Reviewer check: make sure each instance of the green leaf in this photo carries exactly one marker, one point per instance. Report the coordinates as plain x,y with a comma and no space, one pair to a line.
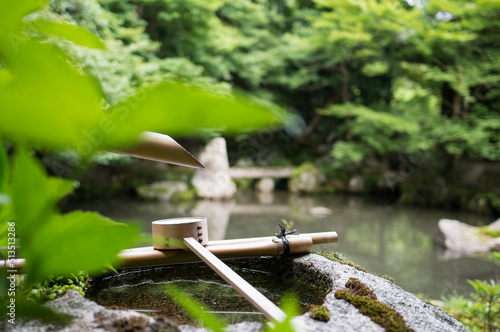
209,321
71,32
179,110
76,241
12,12
47,100
29,193
57,188
4,167
4,199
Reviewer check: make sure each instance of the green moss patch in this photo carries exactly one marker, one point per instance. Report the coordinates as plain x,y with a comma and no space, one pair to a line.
363,298
320,313
486,230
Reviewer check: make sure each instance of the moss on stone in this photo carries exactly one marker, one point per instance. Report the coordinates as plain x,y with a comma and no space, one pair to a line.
363,298
339,258
486,230
358,288
320,313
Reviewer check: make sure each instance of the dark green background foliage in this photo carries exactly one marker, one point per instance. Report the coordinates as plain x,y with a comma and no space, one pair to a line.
369,78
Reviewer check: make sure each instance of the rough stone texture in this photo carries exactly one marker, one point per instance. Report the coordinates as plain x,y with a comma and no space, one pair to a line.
418,314
460,237
89,316
214,181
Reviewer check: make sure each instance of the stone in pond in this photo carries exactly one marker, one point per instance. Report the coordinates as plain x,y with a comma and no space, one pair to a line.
214,182
461,238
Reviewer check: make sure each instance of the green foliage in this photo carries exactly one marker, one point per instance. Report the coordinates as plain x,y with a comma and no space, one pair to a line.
370,79
496,256
39,70
54,287
489,232
52,242
290,305
480,312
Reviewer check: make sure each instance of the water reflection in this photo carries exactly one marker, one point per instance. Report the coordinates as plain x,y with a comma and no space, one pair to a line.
217,214
383,237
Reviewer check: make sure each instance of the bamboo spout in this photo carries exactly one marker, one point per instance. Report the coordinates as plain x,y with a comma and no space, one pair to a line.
162,148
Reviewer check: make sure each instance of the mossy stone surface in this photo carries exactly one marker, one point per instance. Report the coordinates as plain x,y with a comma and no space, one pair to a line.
363,298
320,313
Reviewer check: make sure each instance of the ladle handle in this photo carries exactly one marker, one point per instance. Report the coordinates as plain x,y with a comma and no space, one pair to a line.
259,301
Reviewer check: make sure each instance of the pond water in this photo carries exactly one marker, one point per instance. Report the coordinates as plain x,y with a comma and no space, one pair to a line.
381,236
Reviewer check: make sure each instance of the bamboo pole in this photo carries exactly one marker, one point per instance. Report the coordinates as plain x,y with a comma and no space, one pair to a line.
162,148
317,238
146,256
236,248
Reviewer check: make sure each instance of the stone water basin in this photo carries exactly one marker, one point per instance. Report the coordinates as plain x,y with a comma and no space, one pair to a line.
143,289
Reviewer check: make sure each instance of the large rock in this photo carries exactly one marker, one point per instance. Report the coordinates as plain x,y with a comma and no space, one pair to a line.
418,314
214,181
462,238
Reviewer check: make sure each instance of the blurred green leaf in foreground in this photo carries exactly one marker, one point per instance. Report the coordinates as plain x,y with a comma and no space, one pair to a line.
49,100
